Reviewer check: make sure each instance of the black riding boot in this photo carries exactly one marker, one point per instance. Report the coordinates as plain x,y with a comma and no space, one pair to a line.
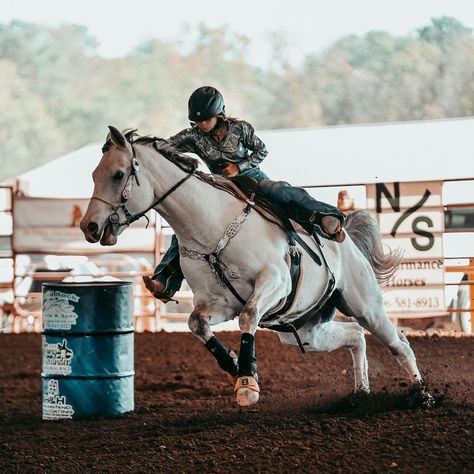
304,209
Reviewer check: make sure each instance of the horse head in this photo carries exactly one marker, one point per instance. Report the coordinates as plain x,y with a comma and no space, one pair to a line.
121,190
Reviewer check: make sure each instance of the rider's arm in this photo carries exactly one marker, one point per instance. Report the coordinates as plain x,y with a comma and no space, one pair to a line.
183,141
253,143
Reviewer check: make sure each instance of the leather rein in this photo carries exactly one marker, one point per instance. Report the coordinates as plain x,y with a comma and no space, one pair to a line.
114,218
219,268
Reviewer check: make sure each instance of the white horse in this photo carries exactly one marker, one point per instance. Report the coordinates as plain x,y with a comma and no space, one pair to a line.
253,253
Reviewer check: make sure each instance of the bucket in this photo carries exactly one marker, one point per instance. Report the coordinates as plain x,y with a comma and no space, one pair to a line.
88,363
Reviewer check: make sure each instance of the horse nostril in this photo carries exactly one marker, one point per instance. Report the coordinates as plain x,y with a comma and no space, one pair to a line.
92,227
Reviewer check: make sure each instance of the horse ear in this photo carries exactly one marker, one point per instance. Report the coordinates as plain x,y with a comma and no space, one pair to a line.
117,137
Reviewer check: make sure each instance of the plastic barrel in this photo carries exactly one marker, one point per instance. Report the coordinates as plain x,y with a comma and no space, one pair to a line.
88,363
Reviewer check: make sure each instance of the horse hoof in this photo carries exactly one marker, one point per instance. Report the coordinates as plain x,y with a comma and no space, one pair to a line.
427,400
247,391
246,397
362,389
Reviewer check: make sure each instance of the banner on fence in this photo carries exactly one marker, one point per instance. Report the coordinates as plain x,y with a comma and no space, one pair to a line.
411,219
52,225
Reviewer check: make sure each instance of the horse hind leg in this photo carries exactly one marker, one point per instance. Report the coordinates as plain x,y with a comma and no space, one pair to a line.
400,348
333,335
384,330
369,311
406,358
359,360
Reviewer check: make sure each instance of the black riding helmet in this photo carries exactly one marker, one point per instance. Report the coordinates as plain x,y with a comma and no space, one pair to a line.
205,103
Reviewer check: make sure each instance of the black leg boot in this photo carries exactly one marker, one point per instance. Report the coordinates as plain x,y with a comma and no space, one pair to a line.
247,359
246,387
223,356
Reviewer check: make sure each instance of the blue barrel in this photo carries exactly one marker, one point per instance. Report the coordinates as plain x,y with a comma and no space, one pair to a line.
88,363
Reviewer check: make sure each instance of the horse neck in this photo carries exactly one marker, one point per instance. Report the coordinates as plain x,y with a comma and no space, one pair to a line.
197,212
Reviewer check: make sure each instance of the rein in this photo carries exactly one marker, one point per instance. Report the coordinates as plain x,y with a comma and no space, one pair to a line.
114,218
219,268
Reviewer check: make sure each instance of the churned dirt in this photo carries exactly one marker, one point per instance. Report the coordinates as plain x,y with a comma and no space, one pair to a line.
186,419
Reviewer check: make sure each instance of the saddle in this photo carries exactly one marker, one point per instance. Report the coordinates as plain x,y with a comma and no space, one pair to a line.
245,188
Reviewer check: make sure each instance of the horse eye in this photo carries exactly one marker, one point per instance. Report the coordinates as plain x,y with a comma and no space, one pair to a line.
118,176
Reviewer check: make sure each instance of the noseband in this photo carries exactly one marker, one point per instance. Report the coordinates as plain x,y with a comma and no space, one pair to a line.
114,218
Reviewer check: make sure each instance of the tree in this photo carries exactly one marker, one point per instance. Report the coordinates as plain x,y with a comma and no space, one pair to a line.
29,135
57,95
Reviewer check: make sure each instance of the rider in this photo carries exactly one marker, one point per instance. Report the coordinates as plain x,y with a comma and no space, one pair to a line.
229,147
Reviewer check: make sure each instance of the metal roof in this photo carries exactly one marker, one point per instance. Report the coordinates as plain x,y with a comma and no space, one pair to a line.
354,154
69,176
361,154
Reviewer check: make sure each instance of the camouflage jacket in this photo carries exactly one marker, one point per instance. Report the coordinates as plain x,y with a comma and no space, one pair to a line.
240,146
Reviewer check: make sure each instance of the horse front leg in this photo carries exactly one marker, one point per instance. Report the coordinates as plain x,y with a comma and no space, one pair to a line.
199,324
271,285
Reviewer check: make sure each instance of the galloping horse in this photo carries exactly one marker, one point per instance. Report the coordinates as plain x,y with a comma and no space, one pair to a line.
223,238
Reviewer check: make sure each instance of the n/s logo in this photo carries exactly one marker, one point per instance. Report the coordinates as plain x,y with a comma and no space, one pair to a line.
395,205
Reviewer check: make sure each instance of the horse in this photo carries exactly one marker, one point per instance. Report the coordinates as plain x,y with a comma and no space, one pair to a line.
222,238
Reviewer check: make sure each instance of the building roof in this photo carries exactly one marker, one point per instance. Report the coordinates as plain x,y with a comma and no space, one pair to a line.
69,176
362,154
341,155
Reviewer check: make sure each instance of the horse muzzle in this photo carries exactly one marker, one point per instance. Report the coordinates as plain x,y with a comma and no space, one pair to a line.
109,236
93,233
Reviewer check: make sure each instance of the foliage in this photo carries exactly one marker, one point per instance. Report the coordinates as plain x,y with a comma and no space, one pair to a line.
57,94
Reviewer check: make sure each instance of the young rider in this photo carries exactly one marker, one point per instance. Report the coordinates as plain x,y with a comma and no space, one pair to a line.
229,147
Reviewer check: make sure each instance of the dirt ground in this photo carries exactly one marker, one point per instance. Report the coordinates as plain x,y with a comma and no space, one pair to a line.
186,419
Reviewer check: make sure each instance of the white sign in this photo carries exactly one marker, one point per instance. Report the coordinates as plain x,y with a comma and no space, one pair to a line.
58,312
411,219
428,221
55,406
417,246
57,358
418,273
414,300
403,196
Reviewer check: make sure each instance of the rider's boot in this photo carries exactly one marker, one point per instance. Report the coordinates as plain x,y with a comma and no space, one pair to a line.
300,206
332,227
158,289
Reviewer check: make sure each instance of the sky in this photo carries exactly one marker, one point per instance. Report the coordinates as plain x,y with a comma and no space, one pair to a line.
310,25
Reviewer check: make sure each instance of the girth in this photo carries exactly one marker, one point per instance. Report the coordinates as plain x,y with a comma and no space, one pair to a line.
293,326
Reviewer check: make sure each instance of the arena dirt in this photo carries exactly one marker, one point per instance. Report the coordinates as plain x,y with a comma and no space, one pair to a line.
186,419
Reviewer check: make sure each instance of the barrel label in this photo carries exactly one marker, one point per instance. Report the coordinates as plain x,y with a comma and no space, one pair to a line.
55,406
57,358
58,312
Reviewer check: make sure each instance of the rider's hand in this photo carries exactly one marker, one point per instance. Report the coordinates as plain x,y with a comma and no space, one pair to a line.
230,170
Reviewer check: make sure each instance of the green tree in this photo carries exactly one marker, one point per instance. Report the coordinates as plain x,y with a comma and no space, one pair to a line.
57,94
29,135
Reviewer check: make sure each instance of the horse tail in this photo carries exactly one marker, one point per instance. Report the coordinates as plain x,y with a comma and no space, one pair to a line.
364,232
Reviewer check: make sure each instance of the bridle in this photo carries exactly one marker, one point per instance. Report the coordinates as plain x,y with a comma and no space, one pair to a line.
114,218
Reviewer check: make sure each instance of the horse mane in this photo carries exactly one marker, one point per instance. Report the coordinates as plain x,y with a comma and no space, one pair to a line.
186,163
